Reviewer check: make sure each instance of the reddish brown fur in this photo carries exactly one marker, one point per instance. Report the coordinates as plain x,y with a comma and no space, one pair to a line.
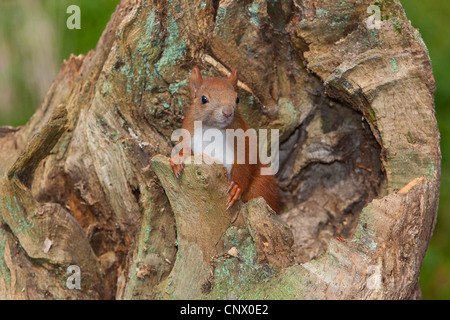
221,93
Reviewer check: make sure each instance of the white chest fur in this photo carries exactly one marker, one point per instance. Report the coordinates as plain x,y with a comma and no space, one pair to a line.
213,142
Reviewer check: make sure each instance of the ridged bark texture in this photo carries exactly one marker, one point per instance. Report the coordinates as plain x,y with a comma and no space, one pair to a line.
86,181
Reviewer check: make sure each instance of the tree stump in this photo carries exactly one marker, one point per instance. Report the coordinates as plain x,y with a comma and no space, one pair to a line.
86,182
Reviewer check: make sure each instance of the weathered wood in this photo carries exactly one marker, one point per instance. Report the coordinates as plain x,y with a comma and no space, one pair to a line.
86,181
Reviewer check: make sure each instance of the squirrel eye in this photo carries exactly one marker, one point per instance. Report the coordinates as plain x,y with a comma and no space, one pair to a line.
204,100
237,100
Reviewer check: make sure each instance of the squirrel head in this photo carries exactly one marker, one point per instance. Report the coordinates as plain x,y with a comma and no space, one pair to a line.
214,99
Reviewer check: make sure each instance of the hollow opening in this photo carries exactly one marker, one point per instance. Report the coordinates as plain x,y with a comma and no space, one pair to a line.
330,169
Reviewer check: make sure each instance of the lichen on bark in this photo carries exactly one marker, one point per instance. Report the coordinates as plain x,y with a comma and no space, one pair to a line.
87,182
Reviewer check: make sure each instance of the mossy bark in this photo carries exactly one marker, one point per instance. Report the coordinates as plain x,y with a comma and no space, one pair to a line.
86,181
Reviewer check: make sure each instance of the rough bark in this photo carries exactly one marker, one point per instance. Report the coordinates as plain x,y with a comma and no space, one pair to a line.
86,181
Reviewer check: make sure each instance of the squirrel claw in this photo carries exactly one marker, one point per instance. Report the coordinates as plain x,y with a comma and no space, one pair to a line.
232,184
235,193
176,167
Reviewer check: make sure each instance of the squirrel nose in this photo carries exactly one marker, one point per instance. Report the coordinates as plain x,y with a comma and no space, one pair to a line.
227,112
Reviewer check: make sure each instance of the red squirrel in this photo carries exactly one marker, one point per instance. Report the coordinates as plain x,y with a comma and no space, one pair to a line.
215,105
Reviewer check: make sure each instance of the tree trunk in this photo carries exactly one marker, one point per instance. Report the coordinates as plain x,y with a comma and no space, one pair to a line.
86,182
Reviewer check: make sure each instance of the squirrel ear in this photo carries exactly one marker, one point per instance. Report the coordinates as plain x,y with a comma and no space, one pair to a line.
232,78
195,81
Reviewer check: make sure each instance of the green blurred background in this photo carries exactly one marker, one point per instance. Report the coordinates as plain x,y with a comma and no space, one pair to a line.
34,40
432,19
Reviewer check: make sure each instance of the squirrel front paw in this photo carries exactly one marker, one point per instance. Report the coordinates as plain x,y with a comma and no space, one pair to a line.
176,165
234,194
